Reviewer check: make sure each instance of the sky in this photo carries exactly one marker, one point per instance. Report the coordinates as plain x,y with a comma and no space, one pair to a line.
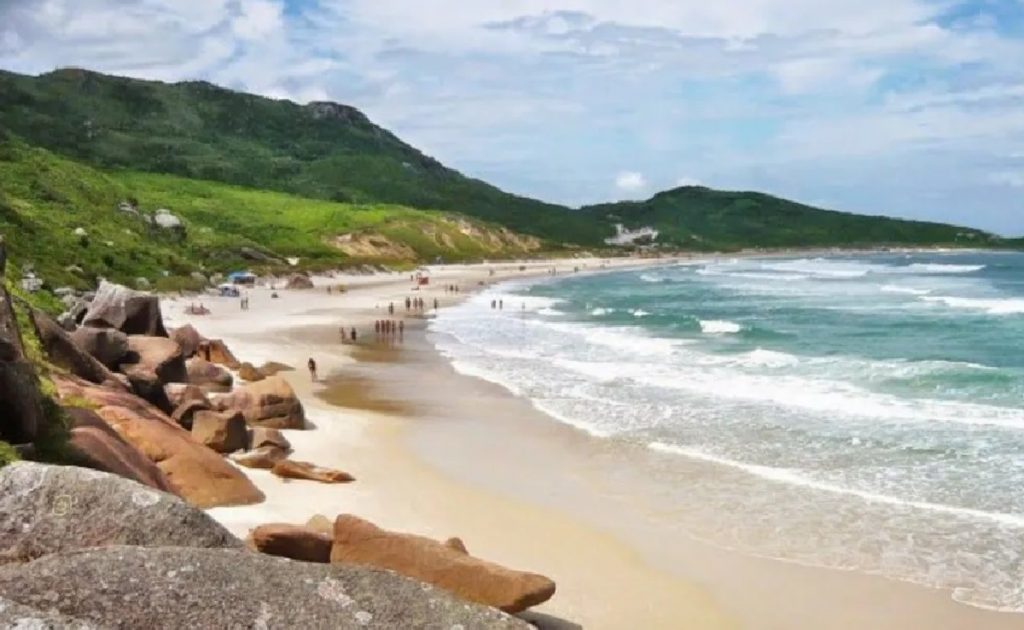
911,108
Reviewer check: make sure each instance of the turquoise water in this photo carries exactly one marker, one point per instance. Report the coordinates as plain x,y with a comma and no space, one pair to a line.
866,412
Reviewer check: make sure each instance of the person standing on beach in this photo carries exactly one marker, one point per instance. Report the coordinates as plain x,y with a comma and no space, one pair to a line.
401,328
408,304
501,305
311,364
435,304
391,308
353,334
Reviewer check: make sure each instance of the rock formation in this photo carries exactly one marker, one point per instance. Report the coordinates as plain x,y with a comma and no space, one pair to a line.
290,469
268,403
291,541
360,542
131,312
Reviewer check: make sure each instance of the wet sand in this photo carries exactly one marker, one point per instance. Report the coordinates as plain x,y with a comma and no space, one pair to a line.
441,454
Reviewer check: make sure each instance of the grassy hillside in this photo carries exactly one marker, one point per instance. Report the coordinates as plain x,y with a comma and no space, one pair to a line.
62,218
695,217
201,131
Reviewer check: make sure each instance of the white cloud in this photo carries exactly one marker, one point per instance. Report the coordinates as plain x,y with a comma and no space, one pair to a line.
630,181
257,18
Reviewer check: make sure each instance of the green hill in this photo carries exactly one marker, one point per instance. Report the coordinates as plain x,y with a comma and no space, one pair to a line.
71,223
201,131
695,217
326,151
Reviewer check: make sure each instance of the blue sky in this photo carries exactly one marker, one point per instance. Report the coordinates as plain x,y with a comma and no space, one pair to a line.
912,108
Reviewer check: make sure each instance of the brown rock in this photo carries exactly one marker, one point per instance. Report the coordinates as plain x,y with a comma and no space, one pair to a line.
151,363
456,544
299,281
185,414
215,351
247,372
106,345
195,472
64,352
290,469
208,376
181,393
291,541
131,312
223,432
268,437
271,368
95,445
262,458
268,403
188,338
360,542
322,524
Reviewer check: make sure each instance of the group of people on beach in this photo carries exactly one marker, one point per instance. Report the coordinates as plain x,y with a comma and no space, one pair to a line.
417,303
388,328
244,302
350,335
451,288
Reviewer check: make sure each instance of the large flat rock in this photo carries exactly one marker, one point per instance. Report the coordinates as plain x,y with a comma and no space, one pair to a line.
174,588
48,509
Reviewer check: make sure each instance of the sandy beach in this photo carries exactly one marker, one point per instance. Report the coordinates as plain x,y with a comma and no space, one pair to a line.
442,454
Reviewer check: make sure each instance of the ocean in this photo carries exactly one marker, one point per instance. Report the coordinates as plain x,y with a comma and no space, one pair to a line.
859,412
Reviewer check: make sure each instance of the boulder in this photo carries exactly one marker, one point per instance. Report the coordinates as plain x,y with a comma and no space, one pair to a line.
188,338
63,352
247,372
262,458
14,616
456,544
270,368
93,444
171,588
22,416
299,281
291,541
360,542
194,471
185,413
223,432
268,437
181,393
151,363
209,376
215,351
131,312
270,403
48,509
106,345
291,469
322,524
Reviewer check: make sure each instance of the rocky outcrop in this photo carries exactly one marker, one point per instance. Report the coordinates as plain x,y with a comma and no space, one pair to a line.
106,345
50,509
247,372
185,413
290,469
151,363
270,368
262,458
93,444
215,351
260,437
209,376
131,312
291,541
62,351
196,472
299,281
22,416
188,339
360,542
14,616
181,393
224,432
174,587
268,403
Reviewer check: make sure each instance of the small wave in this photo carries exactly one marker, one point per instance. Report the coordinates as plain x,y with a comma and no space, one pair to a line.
795,478
767,358
939,268
719,327
652,278
639,313
992,306
891,288
598,312
550,311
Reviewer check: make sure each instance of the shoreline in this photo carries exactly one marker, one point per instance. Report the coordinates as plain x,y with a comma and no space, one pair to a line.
390,440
